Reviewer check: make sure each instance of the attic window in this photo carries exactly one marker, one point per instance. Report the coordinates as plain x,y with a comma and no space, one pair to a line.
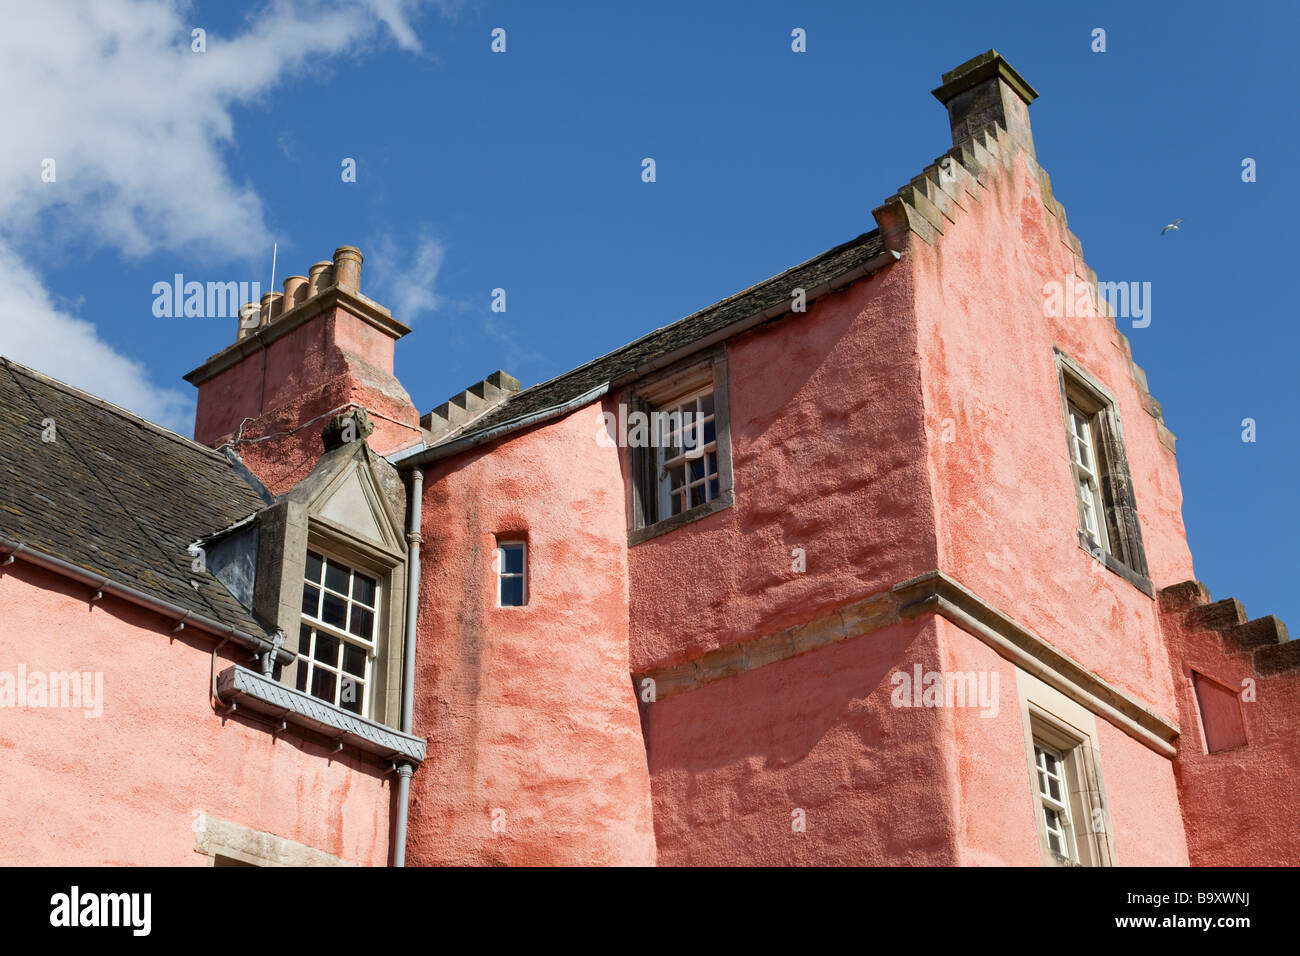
336,642
1108,519
678,447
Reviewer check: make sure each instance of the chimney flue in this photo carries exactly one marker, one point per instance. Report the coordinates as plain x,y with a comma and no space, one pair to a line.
319,278
250,319
984,91
270,307
295,293
347,267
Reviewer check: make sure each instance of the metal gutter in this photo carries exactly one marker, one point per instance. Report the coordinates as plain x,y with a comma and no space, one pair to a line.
437,452
183,616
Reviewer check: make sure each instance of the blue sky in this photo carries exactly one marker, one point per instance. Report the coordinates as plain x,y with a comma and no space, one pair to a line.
522,171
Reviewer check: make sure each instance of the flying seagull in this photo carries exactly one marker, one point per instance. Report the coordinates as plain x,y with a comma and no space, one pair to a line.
1173,225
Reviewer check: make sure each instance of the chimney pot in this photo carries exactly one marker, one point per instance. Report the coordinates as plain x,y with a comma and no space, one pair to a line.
320,277
347,267
295,292
987,90
250,320
270,307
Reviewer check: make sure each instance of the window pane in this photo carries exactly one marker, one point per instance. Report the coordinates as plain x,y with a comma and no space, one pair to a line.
512,559
1054,788
354,690
354,660
326,649
363,589
322,685
512,592
713,488
697,469
302,673
334,610
313,567
676,477
310,600
363,622
336,577
706,403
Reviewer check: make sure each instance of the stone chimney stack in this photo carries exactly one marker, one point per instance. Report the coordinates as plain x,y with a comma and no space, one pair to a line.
318,350
988,90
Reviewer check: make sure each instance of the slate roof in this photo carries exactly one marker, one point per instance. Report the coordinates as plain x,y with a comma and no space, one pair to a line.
115,494
563,388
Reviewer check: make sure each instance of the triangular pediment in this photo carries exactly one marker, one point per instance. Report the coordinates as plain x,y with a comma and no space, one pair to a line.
350,507
344,492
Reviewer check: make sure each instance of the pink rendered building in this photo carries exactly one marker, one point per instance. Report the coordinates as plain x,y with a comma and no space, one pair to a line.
879,561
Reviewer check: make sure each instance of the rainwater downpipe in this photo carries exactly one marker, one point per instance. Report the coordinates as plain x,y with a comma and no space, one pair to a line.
405,770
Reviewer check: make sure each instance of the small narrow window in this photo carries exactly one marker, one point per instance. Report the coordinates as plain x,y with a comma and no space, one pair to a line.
1087,477
1103,485
512,574
1054,800
336,643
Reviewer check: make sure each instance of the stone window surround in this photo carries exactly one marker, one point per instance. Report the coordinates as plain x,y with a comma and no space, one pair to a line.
655,391
1049,716
232,841
1126,556
287,532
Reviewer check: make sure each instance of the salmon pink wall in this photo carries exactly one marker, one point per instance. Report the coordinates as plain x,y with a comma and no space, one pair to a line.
828,455
996,791
1142,793
1239,805
528,710
1003,487
993,790
733,760
126,788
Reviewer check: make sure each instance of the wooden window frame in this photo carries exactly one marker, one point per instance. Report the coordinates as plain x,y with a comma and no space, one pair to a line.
384,684
1119,546
344,635
1050,718
677,383
503,575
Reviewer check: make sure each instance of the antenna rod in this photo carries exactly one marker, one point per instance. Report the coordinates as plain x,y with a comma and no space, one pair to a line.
275,247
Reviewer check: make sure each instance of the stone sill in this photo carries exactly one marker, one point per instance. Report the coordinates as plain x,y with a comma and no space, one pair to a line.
263,695
725,500
1114,565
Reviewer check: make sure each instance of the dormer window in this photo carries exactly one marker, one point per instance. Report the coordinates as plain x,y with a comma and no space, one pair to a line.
336,641
679,461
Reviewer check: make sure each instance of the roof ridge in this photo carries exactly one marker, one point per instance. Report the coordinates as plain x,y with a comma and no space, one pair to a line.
708,308
108,406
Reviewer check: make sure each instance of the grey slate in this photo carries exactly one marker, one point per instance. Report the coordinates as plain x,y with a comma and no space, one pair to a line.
115,494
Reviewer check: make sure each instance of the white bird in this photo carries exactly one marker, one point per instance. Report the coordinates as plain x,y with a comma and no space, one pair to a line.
1173,225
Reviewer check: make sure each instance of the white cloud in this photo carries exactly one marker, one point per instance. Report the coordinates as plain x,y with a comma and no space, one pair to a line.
136,124
406,282
38,334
